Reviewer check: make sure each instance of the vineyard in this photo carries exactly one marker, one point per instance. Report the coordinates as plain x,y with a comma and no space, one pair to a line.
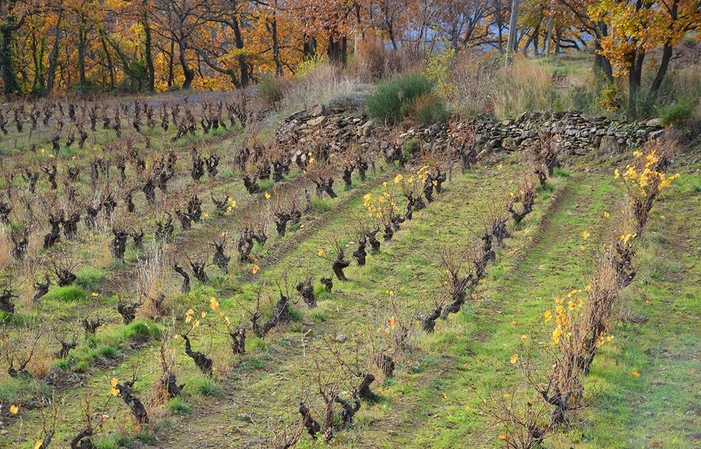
201,271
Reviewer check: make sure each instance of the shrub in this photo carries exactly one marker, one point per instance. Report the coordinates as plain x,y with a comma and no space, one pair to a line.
89,278
321,205
69,293
676,113
271,90
142,330
411,146
178,406
204,386
393,98
428,109
371,60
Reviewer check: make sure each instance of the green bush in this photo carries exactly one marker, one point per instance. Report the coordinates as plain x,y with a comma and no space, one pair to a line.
393,98
411,147
204,386
178,406
271,90
428,109
69,293
142,330
676,112
89,278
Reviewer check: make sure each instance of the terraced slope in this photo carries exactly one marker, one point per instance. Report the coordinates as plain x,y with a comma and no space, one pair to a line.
446,385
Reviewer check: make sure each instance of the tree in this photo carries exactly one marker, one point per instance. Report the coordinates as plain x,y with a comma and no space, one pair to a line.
13,15
462,22
235,14
639,26
179,21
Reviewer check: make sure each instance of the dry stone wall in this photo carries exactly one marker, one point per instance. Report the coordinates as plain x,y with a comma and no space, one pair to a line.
573,132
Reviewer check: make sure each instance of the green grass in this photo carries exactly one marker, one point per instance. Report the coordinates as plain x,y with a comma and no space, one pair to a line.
142,330
435,397
393,98
66,294
179,406
204,386
89,278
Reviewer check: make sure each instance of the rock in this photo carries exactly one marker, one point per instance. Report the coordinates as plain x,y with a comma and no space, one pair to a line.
654,123
509,144
317,110
609,144
341,338
316,121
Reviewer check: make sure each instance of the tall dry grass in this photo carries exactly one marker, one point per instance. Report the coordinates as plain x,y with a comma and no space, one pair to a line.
318,81
485,84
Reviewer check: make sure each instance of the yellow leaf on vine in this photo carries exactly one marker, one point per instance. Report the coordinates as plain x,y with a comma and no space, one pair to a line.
14,409
38,444
513,359
114,382
635,373
255,269
557,333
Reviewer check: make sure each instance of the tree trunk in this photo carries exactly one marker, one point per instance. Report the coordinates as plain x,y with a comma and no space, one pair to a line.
148,51
512,43
82,44
634,80
187,70
601,64
244,78
53,56
108,57
38,49
171,65
7,63
549,37
666,54
276,47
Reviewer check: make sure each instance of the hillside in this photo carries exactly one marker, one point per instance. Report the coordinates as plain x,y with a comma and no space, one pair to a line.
256,208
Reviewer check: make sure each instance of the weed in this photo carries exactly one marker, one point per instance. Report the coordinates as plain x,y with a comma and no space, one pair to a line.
90,278
321,204
179,406
204,386
271,90
69,293
142,331
676,113
428,109
393,98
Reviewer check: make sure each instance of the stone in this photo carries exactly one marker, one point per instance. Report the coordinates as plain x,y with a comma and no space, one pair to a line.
317,110
316,121
654,123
